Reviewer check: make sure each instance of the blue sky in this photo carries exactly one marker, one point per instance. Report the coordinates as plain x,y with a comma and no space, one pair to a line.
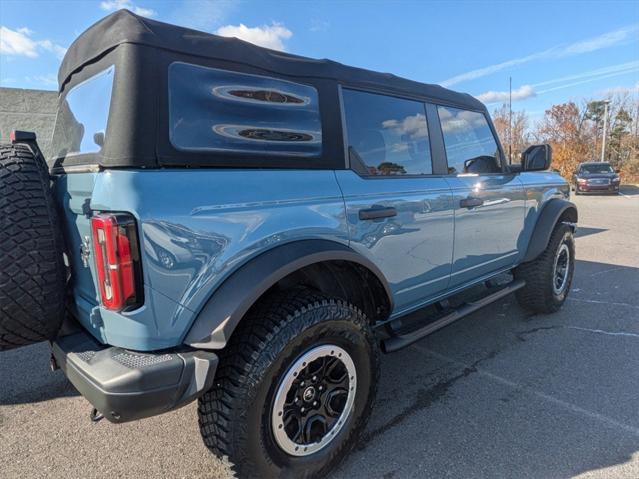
554,51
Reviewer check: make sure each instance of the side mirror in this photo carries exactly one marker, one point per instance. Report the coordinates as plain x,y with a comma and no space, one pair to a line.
617,171
536,158
98,138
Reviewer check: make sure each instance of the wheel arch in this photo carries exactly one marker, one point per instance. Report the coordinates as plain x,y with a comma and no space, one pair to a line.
328,266
555,211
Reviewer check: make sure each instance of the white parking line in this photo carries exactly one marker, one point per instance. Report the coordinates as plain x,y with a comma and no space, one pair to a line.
545,397
607,271
594,301
601,331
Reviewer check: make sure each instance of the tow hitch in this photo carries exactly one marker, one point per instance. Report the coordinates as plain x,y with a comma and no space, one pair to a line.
96,416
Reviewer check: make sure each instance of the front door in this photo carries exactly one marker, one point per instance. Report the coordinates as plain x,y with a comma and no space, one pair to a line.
400,216
489,203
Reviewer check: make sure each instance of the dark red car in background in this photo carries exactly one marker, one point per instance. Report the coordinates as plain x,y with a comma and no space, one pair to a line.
595,177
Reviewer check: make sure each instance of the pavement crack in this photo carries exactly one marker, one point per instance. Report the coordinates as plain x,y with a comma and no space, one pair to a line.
425,398
521,335
611,422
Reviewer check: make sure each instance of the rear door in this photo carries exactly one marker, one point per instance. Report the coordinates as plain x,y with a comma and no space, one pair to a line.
489,202
400,214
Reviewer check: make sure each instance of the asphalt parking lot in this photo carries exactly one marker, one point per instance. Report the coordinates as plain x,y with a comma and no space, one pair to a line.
502,393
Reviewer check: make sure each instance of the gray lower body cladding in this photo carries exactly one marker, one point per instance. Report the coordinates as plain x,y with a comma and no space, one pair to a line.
126,385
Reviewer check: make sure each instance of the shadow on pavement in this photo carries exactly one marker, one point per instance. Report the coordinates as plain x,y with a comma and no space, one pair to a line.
501,393
629,190
586,231
507,393
27,378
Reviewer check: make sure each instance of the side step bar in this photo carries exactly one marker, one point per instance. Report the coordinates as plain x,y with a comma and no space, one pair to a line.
400,341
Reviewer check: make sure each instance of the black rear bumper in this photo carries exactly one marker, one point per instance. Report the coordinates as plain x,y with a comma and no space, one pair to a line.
125,385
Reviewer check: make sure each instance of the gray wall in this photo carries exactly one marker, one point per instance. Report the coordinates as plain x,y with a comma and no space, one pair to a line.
31,110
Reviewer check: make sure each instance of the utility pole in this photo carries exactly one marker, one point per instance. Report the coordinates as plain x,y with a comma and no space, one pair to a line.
605,125
510,120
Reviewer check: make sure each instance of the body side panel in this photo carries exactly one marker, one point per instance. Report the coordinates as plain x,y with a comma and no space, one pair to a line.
540,187
414,248
196,227
486,237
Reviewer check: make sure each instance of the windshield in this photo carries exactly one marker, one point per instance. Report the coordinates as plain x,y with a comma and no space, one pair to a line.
596,169
81,123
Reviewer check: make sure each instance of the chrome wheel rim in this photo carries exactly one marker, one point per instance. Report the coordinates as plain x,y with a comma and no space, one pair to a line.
314,400
561,269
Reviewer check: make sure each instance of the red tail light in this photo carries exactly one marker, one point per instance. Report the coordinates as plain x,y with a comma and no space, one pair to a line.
117,260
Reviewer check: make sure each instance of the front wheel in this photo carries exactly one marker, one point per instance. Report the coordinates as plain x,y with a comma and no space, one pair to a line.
294,389
549,276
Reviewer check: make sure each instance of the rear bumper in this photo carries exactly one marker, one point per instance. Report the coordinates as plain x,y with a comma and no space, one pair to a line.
125,385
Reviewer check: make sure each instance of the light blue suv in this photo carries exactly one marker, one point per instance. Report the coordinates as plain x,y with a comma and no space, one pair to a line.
252,228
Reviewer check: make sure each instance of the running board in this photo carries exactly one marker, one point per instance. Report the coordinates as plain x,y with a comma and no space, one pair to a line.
400,341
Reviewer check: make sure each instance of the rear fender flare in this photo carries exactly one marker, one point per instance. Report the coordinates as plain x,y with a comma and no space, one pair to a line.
230,301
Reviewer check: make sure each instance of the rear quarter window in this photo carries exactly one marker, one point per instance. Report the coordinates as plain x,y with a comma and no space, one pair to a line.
83,113
223,111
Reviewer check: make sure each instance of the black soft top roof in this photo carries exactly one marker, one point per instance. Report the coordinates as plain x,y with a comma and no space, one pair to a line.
124,27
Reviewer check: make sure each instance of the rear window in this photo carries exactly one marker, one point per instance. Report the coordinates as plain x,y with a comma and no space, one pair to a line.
81,122
387,136
223,111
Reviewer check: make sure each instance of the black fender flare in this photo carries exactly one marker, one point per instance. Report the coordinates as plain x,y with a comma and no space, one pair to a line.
232,299
548,218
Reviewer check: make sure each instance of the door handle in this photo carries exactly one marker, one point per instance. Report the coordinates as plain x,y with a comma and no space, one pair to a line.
471,202
377,212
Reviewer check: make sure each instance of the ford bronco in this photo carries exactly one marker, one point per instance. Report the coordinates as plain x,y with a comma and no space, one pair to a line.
250,229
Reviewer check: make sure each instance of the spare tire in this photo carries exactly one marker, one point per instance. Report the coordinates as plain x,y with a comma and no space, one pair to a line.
32,271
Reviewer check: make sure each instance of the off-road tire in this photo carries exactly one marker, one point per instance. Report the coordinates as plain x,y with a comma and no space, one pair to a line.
538,294
32,271
234,416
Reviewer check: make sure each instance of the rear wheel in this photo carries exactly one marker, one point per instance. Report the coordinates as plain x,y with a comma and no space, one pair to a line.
294,389
549,276
32,272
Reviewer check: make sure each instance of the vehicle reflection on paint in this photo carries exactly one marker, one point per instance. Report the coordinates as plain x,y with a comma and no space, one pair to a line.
174,247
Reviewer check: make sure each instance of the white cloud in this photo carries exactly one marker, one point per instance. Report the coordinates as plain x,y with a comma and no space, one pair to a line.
521,93
269,36
14,42
318,25
599,42
619,69
620,90
48,45
202,15
567,81
48,80
19,43
112,5
413,125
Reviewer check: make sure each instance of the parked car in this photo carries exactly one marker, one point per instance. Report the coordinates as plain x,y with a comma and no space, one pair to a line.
595,177
248,228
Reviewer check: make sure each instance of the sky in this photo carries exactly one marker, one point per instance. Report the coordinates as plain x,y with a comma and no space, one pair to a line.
554,51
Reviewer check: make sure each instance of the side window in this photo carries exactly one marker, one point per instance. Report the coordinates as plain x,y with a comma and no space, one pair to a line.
470,144
230,112
386,135
81,123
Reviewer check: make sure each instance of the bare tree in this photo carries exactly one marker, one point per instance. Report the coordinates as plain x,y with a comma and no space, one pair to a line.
518,139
